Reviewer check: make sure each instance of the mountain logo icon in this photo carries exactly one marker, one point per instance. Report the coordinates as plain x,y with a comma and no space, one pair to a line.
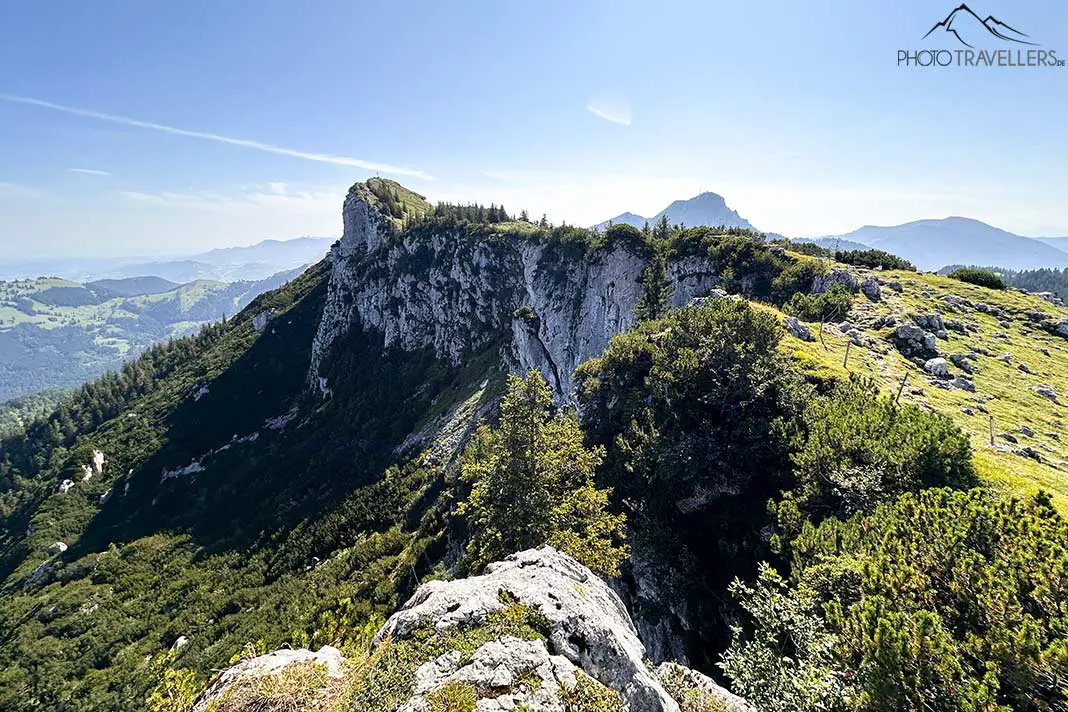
964,24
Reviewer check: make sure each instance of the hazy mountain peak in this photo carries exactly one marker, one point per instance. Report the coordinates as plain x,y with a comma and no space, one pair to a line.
705,208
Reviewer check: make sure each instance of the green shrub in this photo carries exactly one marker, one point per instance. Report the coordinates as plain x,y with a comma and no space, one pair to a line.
873,258
796,280
854,449
945,600
453,697
832,305
981,277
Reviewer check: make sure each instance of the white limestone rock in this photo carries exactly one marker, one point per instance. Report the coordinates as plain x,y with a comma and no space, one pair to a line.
269,664
589,625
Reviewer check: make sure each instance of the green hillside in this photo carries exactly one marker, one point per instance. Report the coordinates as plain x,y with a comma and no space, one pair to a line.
56,334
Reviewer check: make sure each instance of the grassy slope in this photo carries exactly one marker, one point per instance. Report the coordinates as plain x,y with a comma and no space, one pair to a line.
1008,391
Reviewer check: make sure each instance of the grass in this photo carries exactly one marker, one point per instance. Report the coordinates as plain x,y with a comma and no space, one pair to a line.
1003,390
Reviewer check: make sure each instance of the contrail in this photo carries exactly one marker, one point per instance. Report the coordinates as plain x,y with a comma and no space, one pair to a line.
267,147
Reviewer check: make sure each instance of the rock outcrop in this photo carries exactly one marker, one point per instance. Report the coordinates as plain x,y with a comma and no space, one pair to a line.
586,648
273,663
456,293
589,625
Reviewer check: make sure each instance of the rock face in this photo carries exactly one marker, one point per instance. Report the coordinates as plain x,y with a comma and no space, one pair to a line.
590,627
455,293
839,276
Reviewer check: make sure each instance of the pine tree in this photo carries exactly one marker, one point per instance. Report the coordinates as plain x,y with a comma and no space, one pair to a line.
532,483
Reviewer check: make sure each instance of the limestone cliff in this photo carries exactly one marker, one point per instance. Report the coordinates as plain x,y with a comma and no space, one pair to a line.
457,289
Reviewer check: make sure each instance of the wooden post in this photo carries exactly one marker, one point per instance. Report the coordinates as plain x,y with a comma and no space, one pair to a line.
991,431
845,361
899,390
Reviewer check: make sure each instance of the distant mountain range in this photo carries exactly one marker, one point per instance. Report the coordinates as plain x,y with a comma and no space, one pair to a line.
56,334
929,244
704,209
233,264
933,244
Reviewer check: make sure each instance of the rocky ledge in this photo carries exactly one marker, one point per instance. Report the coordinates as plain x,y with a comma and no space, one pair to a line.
585,652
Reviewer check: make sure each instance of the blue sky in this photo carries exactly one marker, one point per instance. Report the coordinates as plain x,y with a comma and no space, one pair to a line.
153,128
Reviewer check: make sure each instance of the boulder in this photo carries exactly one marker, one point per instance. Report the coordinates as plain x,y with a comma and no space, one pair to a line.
588,624
66,486
1047,391
871,290
937,367
795,328
963,384
824,282
269,664
895,286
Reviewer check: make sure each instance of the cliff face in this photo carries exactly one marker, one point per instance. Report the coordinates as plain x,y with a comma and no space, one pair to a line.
456,291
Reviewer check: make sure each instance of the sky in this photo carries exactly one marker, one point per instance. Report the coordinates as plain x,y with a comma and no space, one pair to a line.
133,128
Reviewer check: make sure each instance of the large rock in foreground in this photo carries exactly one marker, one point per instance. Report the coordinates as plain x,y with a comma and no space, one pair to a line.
587,624
538,632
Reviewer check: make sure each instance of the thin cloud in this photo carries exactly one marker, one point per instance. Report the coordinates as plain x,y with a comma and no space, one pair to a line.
246,143
89,171
14,190
610,106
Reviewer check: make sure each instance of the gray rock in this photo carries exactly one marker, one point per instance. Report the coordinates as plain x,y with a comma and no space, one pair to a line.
1047,391
870,288
962,362
66,486
1061,328
795,328
1025,368
1028,452
937,367
895,286
58,548
589,624
963,384
1006,358
506,666
1026,431
843,277
269,664
684,683
930,322
1009,437
260,321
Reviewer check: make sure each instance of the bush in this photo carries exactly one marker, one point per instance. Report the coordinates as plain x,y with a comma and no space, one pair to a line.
873,258
941,600
855,449
980,277
832,305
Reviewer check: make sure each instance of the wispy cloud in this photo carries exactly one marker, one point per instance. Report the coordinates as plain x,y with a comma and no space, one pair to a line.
275,195
14,190
610,106
246,143
89,171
